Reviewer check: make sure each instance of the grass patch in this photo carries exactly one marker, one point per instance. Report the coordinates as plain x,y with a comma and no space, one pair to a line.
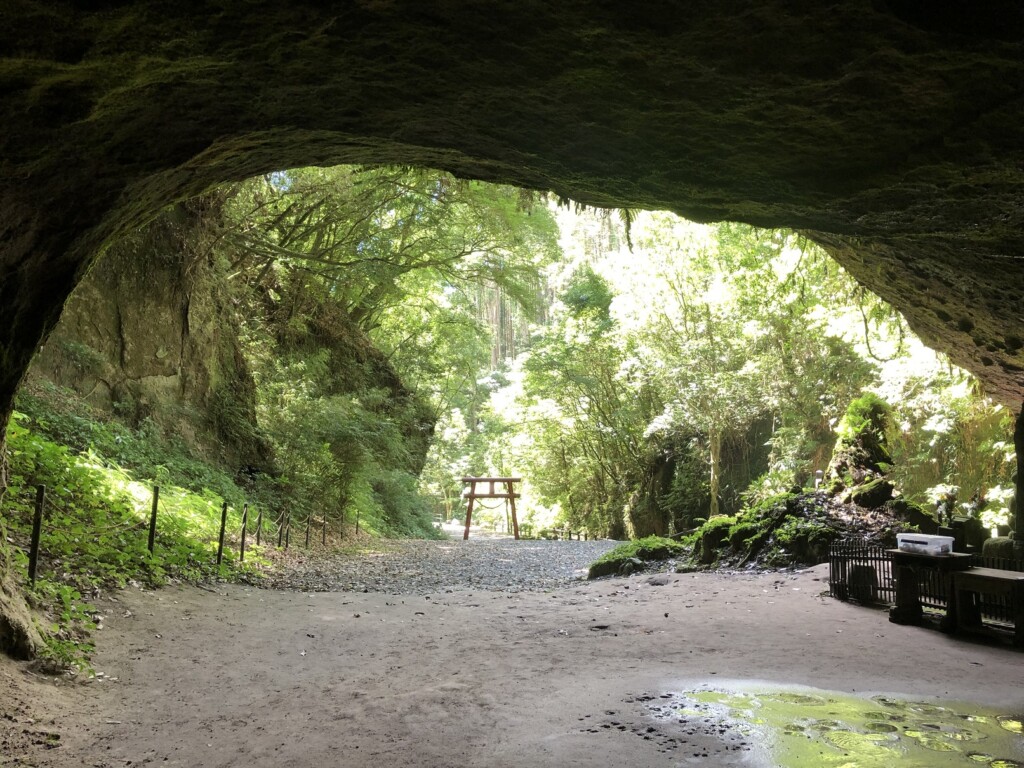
95,535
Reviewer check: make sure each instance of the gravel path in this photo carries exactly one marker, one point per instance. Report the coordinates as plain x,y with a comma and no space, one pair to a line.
418,567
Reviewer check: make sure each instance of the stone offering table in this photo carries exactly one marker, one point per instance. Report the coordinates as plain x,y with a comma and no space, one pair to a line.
908,570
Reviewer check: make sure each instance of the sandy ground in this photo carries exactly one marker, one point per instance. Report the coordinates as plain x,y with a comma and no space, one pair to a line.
248,677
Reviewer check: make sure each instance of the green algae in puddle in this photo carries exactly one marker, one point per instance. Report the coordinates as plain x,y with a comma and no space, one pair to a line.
1011,723
802,727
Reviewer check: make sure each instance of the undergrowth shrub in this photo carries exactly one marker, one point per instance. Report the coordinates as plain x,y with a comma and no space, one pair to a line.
95,534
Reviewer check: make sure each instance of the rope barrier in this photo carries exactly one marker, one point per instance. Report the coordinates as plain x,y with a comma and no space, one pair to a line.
138,524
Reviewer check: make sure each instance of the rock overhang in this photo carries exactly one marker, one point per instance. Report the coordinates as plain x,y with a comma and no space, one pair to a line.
887,131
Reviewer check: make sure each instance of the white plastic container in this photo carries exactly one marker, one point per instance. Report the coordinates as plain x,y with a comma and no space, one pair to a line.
924,544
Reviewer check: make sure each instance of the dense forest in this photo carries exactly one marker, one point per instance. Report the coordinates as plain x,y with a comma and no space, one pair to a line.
337,347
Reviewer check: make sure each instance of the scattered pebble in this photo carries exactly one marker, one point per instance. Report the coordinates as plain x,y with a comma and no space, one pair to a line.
417,567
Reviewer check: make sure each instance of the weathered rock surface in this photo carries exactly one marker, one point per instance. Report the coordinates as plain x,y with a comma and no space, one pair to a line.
797,529
152,333
888,130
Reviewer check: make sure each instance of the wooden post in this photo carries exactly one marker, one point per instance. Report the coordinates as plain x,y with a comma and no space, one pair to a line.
309,522
323,531
357,522
37,529
280,530
223,525
287,530
469,513
512,505
259,525
245,524
152,518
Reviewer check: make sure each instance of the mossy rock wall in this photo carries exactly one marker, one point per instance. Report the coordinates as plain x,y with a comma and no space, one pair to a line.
793,529
353,366
152,333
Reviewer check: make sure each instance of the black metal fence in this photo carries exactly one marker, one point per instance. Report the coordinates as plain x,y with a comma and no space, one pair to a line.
865,574
860,573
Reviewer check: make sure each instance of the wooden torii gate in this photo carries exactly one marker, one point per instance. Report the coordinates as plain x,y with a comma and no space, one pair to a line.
488,491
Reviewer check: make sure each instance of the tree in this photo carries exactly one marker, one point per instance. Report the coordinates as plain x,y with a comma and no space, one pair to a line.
587,414
415,262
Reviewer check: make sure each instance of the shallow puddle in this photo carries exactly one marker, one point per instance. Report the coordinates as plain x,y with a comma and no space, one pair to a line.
791,727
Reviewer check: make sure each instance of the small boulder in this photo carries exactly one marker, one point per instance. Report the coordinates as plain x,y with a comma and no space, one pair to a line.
913,515
630,566
1001,547
871,494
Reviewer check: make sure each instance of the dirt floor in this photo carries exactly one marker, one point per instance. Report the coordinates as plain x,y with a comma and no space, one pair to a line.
241,676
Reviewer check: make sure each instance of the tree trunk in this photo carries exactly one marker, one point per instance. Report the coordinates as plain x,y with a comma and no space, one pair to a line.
1018,496
716,464
5,418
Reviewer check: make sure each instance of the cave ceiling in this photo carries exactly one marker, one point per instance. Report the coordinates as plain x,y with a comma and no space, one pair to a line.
890,132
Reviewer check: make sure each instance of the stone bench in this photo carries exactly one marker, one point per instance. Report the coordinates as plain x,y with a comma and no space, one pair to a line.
970,585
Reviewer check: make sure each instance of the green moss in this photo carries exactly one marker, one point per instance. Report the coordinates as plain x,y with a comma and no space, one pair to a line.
742,532
800,540
710,536
772,504
790,531
871,494
715,528
778,532
868,413
723,522
999,547
649,548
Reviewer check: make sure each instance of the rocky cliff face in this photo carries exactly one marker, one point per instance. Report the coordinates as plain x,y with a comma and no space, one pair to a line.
151,333
154,332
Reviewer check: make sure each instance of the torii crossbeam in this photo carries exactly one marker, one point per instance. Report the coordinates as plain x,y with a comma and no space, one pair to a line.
484,488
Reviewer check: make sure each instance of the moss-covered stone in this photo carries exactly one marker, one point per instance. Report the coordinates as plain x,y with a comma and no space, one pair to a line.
741,533
19,637
873,493
999,547
709,537
153,333
915,516
861,456
793,529
804,540
633,554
